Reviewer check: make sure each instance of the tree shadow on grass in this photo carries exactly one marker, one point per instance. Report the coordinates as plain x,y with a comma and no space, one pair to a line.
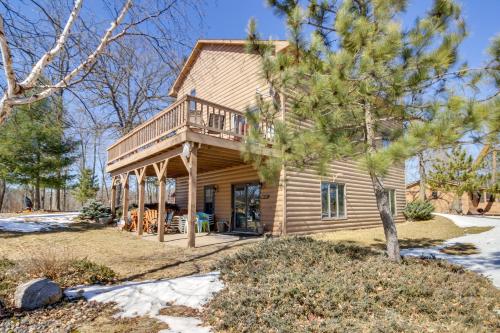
406,243
191,260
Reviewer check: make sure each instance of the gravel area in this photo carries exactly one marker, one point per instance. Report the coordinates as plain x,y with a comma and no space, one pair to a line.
62,318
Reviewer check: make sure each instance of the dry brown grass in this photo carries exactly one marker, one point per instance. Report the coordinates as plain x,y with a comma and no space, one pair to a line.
460,249
411,234
111,324
128,255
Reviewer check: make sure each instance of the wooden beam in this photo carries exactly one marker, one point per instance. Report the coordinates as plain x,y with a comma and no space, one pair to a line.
161,209
113,200
136,160
140,173
192,167
161,174
124,182
161,168
141,180
157,158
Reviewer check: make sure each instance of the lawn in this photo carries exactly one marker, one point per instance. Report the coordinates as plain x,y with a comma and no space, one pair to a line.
411,234
131,257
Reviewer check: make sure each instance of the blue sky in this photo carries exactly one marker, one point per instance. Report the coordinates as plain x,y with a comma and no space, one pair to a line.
226,19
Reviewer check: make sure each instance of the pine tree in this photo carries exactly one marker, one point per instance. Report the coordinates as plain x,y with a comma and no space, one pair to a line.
359,76
33,148
86,188
458,174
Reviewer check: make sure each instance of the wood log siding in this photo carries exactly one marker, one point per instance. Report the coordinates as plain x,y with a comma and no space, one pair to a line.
271,195
188,112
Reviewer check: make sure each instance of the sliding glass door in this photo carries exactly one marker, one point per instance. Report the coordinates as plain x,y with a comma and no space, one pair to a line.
246,207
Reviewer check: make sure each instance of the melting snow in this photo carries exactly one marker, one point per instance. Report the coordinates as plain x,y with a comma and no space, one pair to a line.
148,297
487,262
36,222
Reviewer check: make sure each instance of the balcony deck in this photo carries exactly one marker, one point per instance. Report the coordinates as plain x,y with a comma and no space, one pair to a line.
188,114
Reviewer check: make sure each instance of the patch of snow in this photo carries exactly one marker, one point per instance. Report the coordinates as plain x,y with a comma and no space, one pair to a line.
487,262
146,298
36,222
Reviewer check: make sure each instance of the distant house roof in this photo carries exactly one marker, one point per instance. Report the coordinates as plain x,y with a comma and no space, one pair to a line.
416,182
279,44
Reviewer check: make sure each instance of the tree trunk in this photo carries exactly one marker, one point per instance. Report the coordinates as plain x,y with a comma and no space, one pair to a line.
42,206
381,196
3,189
37,195
423,179
391,235
456,205
50,199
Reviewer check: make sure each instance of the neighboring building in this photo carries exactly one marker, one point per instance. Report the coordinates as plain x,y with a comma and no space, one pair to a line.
480,202
203,131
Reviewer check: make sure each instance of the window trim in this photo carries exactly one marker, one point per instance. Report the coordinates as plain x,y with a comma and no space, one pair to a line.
336,218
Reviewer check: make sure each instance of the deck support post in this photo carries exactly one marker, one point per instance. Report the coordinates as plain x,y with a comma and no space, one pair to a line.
113,198
124,182
141,180
161,174
191,150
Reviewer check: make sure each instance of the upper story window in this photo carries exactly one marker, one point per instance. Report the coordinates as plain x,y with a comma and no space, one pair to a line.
332,200
192,104
392,200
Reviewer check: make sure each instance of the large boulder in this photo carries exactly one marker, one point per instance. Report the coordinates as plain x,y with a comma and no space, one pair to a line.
37,293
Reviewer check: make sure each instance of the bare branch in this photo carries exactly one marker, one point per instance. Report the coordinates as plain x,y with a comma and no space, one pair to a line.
7,61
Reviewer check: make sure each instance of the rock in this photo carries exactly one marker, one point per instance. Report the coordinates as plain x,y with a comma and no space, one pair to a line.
37,293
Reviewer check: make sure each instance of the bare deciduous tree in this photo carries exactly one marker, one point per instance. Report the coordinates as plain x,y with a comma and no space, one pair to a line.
21,35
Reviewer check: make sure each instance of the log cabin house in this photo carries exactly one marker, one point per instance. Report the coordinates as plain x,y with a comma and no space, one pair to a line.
197,140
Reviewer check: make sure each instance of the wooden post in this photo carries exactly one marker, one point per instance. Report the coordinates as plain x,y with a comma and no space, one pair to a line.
161,174
124,181
141,181
113,198
192,167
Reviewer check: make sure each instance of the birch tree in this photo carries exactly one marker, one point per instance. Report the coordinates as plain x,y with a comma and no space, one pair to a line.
23,82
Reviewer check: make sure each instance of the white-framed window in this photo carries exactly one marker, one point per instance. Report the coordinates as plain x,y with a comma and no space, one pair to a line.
392,200
192,104
333,201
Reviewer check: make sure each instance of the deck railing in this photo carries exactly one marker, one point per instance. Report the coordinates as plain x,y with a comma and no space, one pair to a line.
188,112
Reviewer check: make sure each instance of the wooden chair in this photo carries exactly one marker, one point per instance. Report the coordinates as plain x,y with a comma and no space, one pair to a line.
150,220
134,218
173,224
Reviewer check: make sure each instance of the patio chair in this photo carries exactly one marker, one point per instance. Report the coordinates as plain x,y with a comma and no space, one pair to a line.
150,220
173,225
132,225
202,222
183,224
211,222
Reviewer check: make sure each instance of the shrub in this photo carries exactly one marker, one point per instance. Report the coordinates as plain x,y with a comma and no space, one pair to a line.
85,271
65,269
94,210
418,210
305,285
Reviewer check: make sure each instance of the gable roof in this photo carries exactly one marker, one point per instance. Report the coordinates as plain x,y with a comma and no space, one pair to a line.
279,45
